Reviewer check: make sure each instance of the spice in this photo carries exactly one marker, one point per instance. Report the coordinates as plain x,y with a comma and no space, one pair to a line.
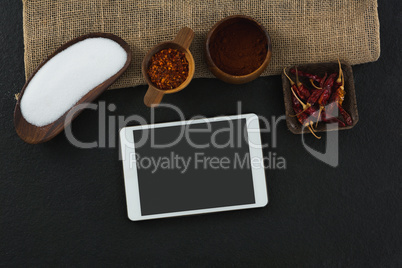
239,48
168,69
331,90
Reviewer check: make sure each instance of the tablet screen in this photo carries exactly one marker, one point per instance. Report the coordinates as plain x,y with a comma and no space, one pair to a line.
207,166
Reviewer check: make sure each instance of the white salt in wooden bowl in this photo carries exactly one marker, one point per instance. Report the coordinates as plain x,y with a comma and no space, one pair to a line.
75,74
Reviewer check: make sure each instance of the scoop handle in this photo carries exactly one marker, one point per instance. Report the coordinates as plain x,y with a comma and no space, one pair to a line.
184,37
153,96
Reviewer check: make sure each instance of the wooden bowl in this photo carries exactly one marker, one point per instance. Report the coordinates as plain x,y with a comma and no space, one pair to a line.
34,134
349,104
181,42
224,76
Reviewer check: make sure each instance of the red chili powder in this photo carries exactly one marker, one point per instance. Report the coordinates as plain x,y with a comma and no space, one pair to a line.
239,48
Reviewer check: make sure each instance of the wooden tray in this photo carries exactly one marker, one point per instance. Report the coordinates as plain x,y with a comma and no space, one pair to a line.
349,103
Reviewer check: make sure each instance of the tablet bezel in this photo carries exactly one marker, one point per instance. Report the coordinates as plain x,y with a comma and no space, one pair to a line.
131,176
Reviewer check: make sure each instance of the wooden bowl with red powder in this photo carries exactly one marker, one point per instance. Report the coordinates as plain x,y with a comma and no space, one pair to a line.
238,49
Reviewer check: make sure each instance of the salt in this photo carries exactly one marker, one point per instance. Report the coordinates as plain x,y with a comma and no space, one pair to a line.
68,76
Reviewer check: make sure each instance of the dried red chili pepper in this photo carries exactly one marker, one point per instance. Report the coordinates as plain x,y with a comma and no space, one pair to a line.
338,82
308,75
325,119
297,108
168,69
315,94
302,92
302,89
330,88
338,96
346,117
313,114
326,93
302,117
325,88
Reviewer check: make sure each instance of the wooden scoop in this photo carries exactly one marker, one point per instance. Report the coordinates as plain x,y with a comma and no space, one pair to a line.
34,134
181,42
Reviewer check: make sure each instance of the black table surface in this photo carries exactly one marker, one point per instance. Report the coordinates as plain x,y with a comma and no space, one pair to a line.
62,205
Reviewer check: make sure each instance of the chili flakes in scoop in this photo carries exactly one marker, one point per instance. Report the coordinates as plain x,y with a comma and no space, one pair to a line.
168,69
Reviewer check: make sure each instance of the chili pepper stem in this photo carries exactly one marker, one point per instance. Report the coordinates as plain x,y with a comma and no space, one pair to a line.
339,80
305,106
309,125
319,115
343,81
312,132
304,109
312,82
298,83
312,125
290,80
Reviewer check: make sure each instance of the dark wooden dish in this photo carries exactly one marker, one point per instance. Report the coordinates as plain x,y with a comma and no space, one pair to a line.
181,42
349,104
34,134
229,78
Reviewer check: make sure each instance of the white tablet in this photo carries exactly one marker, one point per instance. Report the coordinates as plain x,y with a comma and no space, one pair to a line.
193,167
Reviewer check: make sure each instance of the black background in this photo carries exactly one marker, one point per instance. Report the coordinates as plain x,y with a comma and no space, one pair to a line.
66,206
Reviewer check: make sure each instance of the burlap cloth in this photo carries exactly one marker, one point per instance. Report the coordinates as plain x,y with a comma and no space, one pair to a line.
302,31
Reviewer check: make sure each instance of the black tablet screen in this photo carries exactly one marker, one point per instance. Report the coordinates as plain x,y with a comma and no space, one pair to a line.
198,166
